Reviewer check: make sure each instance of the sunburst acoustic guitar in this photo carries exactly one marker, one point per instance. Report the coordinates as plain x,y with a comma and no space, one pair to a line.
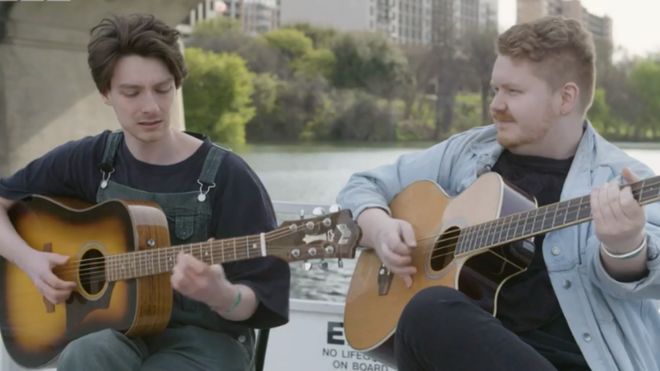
466,243
120,258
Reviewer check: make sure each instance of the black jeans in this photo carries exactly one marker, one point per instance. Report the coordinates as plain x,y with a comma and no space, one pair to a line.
442,329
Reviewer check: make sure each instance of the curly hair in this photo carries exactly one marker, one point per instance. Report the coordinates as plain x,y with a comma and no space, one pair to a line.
561,49
135,34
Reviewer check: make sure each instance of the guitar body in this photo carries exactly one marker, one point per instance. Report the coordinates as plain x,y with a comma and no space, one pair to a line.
33,330
376,298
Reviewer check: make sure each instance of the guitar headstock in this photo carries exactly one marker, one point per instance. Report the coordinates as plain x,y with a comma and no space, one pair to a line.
334,235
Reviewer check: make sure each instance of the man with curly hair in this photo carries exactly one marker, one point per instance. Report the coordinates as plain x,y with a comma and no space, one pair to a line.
586,300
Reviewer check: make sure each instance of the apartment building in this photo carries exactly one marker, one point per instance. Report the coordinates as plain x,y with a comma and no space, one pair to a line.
600,27
410,22
256,16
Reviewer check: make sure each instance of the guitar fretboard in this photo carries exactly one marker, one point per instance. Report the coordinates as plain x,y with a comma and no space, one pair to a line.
544,219
161,260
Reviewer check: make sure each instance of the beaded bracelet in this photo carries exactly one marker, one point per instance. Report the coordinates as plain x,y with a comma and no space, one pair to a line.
625,255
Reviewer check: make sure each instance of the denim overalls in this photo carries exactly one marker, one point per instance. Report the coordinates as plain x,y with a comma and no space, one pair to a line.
220,344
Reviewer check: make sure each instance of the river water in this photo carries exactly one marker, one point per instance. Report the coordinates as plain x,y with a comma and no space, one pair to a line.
316,173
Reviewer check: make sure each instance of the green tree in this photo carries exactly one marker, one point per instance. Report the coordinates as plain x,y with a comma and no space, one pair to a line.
292,43
371,62
601,116
645,81
364,118
224,35
316,62
217,26
481,54
322,37
217,95
297,104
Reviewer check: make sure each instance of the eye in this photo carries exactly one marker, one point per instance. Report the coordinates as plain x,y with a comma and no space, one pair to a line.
164,90
130,93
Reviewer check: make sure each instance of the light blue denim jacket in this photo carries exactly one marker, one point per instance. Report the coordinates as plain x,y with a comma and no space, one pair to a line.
616,324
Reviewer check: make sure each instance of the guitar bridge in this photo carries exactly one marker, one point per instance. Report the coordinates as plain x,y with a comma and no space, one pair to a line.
384,280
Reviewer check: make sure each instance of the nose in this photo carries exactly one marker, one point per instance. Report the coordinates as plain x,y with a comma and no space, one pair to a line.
150,103
497,103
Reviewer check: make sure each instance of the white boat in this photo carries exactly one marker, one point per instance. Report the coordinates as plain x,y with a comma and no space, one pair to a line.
314,340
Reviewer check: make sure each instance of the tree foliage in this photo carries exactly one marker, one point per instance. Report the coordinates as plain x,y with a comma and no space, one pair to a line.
370,62
303,82
217,95
645,80
292,43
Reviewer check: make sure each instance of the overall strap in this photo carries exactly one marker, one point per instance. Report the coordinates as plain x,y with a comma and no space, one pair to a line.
107,163
210,170
111,146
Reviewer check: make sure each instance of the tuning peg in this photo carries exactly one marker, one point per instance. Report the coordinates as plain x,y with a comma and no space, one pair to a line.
307,265
334,208
340,263
318,211
324,265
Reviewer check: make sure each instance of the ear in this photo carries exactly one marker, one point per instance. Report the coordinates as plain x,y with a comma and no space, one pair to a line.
570,96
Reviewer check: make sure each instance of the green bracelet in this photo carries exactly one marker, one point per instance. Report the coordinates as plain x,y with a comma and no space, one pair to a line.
237,301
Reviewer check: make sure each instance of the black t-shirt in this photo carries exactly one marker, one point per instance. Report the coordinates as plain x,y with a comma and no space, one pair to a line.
527,303
240,204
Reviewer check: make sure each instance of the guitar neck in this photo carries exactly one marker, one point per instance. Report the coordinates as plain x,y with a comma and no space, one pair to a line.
544,219
161,260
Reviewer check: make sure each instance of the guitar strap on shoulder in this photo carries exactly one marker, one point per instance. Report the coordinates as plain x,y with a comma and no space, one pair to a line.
107,163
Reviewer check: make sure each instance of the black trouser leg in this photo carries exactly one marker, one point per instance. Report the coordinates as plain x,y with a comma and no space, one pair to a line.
442,329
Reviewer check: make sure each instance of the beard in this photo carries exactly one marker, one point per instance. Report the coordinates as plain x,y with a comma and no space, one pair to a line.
514,136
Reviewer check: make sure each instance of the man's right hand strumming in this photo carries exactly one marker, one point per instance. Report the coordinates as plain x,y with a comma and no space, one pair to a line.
36,264
39,266
392,239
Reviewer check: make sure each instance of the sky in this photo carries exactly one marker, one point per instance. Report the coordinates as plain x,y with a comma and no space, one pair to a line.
635,23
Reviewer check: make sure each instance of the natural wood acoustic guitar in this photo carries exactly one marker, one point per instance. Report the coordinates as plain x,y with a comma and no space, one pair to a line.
120,257
472,243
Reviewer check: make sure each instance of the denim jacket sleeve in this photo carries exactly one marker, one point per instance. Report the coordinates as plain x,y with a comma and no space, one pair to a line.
377,187
647,287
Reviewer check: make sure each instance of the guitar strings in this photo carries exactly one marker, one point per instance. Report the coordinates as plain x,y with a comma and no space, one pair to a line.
439,252
482,234
94,268
91,266
493,226
224,245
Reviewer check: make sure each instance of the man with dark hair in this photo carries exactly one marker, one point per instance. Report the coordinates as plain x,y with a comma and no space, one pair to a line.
587,299
204,190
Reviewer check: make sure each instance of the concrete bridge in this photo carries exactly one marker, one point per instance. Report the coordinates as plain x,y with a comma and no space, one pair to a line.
47,95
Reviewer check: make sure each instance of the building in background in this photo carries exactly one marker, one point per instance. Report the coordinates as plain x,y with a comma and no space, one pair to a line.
343,15
408,22
528,10
256,16
488,14
600,27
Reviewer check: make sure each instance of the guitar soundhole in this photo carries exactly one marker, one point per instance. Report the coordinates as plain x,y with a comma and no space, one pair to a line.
92,271
444,248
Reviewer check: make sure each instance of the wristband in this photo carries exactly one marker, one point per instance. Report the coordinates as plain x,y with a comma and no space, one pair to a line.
625,255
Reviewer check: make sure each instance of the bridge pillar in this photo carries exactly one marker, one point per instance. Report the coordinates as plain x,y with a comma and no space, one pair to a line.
47,95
